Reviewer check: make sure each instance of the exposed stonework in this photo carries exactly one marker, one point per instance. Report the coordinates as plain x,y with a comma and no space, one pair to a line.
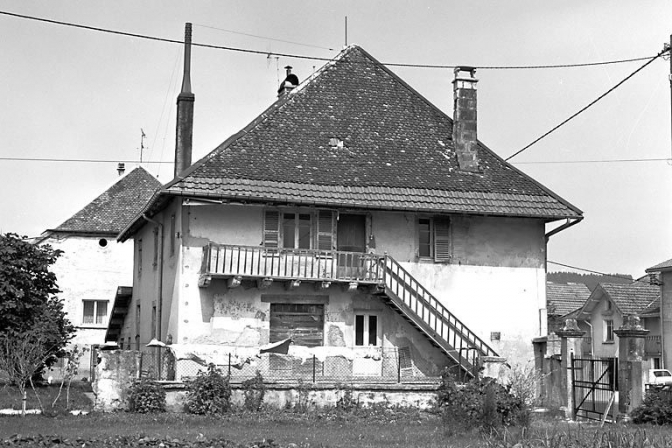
115,373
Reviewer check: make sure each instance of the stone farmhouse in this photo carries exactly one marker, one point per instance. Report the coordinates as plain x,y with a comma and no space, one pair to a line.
352,223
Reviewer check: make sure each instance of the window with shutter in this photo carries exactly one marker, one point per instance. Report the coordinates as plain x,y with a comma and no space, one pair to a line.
272,229
441,240
325,230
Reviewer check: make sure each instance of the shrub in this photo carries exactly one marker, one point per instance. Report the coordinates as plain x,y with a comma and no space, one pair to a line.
523,383
208,393
147,396
656,408
347,402
254,390
482,403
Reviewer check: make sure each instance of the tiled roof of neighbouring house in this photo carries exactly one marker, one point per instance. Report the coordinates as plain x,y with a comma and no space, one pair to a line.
564,298
665,265
113,210
355,135
632,298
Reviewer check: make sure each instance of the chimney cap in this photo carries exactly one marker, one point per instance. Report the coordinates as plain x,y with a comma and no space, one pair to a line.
465,68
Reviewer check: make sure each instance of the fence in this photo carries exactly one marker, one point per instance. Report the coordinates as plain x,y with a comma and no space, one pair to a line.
393,365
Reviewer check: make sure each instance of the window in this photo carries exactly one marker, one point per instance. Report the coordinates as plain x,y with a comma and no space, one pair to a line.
296,231
172,235
299,230
434,239
95,312
366,330
425,238
139,257
155,259
608,330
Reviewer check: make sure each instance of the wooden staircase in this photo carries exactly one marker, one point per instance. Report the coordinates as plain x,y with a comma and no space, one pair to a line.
422,310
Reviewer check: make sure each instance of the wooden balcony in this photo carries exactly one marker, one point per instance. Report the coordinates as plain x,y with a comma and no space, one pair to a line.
236,263
652,346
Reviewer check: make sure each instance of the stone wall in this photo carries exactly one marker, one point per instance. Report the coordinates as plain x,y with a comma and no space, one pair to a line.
115,373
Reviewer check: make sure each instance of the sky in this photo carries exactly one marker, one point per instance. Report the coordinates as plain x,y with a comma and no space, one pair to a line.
77,94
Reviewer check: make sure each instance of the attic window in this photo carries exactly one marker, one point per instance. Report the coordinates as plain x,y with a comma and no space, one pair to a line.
336,143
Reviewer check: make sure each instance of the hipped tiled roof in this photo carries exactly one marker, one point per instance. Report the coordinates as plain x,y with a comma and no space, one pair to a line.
564,298
356,135
113,210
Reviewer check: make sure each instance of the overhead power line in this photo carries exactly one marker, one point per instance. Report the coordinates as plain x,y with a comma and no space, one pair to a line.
667,50
313,58
555,162
46,159
40,159
263,37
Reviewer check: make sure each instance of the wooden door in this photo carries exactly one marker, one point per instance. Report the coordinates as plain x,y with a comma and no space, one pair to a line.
350,237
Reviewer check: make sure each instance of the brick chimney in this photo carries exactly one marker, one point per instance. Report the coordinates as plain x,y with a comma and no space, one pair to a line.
464,118
185,111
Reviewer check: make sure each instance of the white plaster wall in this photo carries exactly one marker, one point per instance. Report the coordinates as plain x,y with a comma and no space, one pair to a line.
494,283
88,271
601,348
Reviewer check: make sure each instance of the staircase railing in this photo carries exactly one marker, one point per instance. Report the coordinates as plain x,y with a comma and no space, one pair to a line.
419,305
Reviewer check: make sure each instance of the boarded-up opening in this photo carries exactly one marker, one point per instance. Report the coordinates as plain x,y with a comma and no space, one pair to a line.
304,323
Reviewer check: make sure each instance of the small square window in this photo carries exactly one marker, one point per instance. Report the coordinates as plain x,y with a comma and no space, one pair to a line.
95,312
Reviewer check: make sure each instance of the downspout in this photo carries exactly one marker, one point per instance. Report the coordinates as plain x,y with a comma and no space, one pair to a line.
159,307
548,236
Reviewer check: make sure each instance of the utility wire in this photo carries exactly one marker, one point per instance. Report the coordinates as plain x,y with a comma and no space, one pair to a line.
39,159
263,37
590,270
554,162
28,159
312,58
590,104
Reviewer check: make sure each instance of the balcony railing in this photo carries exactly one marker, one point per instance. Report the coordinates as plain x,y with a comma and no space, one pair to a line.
652,346
221,260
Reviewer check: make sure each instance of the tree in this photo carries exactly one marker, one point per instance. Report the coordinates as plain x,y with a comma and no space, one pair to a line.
29,308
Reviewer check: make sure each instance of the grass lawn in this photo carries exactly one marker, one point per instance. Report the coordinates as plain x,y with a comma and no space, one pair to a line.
10,398
378,428
312,430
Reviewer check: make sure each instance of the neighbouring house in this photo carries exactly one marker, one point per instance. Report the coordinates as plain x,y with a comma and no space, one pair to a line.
564,301
353,224
93,267
661,275
606,308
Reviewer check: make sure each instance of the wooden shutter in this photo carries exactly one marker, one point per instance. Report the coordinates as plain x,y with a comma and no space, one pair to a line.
272,229
441,240
325,230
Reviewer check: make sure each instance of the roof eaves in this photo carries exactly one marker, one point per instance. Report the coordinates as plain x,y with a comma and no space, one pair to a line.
153,206
296,201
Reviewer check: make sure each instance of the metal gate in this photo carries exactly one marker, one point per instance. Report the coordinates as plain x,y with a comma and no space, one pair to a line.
594,385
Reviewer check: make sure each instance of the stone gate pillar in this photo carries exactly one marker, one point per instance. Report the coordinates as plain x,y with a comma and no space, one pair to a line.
571,340
631,338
